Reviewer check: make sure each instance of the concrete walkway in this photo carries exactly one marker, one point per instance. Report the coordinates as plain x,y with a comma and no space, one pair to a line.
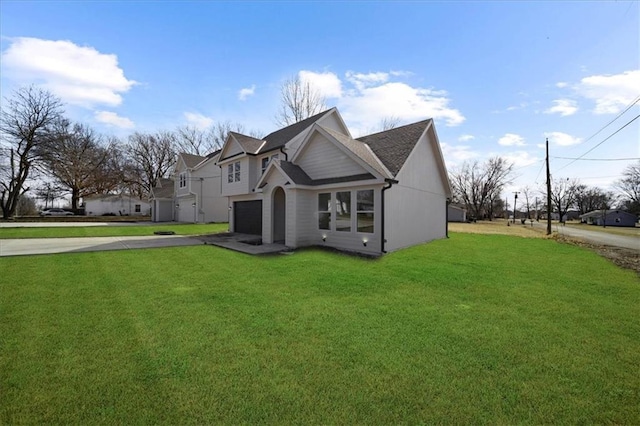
30,246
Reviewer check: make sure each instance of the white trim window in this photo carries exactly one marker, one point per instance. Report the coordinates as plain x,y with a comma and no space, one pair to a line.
233,172
265,162
343,211
324,211
365,210
182,179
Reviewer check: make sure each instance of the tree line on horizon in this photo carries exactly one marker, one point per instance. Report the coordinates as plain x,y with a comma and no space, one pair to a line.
39,144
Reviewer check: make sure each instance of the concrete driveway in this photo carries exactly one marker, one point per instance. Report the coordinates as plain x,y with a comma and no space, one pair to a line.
30,246
596,237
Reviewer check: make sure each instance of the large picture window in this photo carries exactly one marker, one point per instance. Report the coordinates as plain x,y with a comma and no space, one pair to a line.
324,211
343,211
365,209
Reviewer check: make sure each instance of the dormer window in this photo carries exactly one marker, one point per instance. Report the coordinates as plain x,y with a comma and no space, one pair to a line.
182,180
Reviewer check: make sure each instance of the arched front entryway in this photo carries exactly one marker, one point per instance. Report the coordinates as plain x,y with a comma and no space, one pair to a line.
279,213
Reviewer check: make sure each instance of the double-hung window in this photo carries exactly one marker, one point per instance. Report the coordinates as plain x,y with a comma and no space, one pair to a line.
343,211
182,180
364,200
233,172
324,211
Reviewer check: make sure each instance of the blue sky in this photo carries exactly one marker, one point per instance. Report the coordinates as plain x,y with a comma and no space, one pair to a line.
497,77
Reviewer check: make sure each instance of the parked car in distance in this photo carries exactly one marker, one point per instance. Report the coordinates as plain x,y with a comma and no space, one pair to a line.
56,212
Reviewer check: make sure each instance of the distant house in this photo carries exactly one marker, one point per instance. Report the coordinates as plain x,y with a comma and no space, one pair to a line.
456,213
609,218
162,201
119,205
312,183
197,190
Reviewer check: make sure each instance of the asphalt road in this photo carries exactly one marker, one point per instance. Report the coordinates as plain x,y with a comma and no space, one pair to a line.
30,246
47,224
596,237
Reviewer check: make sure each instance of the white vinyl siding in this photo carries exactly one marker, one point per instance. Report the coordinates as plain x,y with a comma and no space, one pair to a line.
322,159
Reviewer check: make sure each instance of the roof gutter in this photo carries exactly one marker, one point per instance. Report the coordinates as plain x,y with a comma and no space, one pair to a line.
390,183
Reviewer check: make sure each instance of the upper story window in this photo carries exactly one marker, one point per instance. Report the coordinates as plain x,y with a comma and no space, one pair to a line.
265,162
233,172
182,180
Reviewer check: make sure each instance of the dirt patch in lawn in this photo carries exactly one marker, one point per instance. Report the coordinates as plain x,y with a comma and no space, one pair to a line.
625,258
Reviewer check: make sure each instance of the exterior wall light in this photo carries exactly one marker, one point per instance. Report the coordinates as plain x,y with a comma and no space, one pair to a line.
324,238
364,242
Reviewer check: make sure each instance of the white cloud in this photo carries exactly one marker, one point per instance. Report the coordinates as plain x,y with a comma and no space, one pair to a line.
562,139
78,75
244,93
198,120
563,107
561,84
327,83
466,138
520,158
511,139
456,154
365,99
113,119
611,93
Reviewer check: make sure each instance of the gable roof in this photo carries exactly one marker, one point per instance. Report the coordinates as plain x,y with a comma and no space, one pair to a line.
280,137
163,189
249,144
300,177
191,160
361,150
393,146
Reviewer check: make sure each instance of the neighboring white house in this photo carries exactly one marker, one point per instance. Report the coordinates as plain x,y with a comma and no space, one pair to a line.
311,183
456,213
197,197
119,205
162,201
609,218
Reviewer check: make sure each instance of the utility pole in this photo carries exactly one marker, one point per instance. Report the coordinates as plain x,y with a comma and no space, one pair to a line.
548,192
537,217
515,201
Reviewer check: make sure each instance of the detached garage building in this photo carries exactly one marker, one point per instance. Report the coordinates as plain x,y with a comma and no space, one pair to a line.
609,218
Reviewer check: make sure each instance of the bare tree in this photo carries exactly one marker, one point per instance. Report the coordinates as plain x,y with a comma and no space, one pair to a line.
150,156
23,125
479,186
193,140
629,186
389,123
563,196
528,194
299,100
49,192
592,198
76,159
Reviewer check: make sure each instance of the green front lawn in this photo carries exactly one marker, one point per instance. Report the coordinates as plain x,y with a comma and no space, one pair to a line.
112,230
474,329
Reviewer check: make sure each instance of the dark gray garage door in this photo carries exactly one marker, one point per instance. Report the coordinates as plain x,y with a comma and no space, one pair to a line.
247,217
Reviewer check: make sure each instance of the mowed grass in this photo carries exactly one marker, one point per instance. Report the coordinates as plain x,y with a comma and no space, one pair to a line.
111,230
474,329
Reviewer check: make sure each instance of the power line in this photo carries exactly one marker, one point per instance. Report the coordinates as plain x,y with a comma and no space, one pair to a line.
603,141
635,101
597,159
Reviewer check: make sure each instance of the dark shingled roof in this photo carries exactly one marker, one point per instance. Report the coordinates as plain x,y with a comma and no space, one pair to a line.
299,176
249,144
213,154
280,137
191,160
393,146
163,189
